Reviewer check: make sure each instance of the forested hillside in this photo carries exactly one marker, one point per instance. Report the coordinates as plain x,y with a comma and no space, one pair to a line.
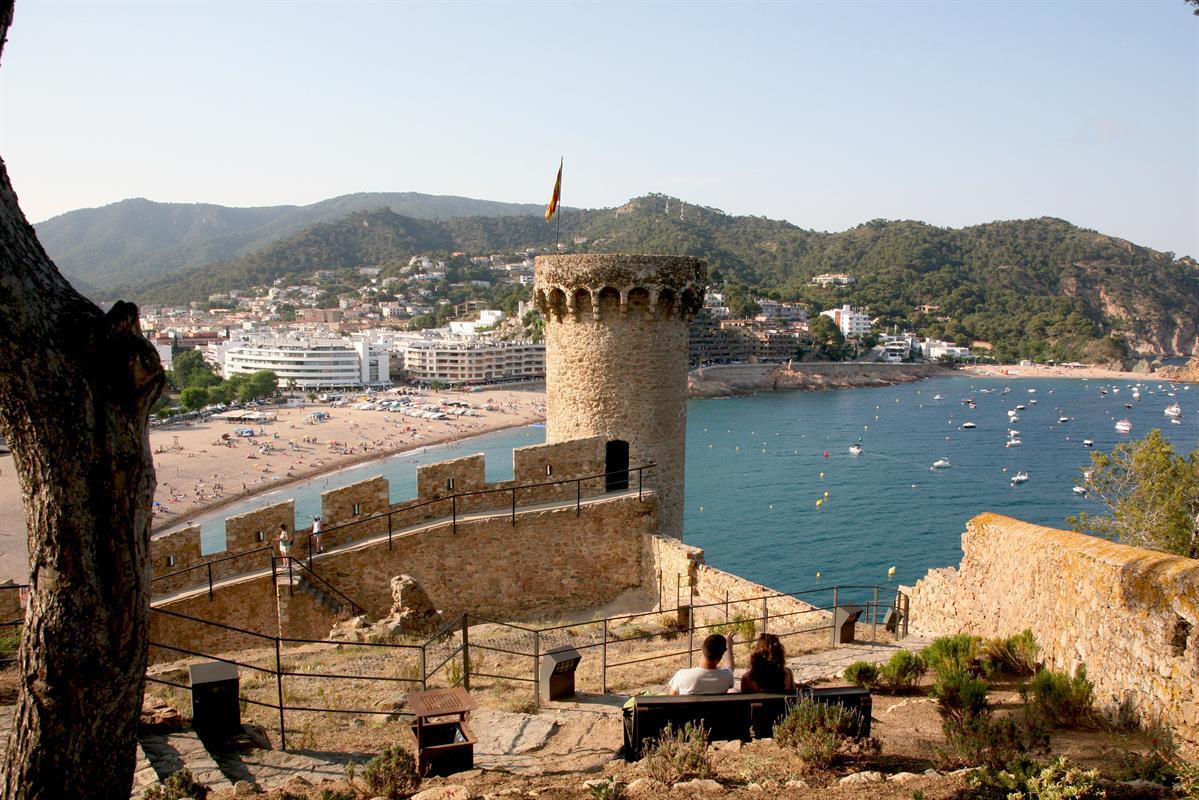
135,240
1032,288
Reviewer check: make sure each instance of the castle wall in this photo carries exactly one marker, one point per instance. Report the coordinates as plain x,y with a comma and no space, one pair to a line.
358,500
1130,615
550,561
616,357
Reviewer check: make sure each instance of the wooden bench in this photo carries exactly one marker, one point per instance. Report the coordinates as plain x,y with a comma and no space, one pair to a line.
726,717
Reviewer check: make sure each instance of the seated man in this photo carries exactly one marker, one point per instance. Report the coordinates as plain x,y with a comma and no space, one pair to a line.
715,673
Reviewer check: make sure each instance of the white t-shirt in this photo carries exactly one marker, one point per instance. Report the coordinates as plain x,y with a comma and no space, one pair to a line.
699,680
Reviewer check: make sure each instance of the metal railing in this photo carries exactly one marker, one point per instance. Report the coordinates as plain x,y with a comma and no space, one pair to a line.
307,573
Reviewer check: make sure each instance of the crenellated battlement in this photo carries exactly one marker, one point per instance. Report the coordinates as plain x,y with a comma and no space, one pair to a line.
599,287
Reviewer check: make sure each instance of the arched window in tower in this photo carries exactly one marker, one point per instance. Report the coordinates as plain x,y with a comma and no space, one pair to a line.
609,303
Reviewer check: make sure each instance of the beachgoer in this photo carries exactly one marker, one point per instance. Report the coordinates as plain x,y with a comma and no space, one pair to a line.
284,540
715,673
316,534
768,670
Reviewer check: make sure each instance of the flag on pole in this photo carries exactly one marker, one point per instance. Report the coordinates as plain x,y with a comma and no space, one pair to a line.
552,208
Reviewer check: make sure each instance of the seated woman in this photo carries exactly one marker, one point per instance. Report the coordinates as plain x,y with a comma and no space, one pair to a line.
768,670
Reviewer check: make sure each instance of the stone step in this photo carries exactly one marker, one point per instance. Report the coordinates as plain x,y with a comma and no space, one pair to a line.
144,775
170,753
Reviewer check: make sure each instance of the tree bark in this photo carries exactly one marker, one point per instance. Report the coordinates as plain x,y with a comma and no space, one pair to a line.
76,389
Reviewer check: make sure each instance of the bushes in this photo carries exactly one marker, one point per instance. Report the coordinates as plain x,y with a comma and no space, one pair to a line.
974,736
392,774
862,673
952,652
1014,655
817,732
1057,781
902,671
679,755
179,786
1056,699
960,695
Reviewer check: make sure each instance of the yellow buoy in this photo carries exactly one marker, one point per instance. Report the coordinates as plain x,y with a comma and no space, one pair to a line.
891,572
817,574
819,503
826,494
701,509
822,476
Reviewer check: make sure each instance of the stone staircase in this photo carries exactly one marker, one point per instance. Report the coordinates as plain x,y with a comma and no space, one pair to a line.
169,753
327,599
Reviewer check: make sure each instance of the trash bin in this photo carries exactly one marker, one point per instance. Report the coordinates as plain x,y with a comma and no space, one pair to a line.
216,707
844,620
443,747
557,673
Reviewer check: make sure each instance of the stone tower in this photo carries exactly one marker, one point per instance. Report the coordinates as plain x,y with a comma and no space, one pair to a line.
616,360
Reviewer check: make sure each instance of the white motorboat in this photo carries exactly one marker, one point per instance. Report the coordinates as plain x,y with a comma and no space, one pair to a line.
942,463
1124,426
1019,477
1012,416
855,449
1173,410
1020,407
938,397
1032,391
1080,490
1088,443
1013,443
1032,402
1175,421
1012,433
968,425
1063,420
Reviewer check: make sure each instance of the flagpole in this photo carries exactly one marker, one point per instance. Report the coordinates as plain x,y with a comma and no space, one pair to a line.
558,230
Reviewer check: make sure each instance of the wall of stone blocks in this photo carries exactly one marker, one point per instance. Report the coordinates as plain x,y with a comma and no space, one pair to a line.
249,605
174,551
1130,615
242,532
355,501
467,475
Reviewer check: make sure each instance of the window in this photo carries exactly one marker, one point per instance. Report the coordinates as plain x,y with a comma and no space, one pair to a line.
357,509
449,485
549,471
170,561
261,536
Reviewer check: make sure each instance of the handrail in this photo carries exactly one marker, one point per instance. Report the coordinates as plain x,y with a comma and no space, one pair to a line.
208,564
357,608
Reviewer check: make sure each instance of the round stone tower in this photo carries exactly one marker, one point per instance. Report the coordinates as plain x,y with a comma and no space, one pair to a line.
616,361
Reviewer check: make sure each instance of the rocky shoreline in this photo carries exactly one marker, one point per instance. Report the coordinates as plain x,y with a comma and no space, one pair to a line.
727,380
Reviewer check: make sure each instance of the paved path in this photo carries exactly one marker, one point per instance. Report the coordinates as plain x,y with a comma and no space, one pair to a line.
831,663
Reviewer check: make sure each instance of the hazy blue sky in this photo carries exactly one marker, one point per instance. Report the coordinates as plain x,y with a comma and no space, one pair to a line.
824,114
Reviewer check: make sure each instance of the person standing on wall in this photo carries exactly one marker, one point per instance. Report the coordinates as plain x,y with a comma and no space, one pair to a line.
316,535
284,540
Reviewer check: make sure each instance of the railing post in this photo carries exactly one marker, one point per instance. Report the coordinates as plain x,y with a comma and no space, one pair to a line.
604,660
640,472
465,652
578,497
454,511
874,617
907,608
536,664
424,676
291,581
690,640
833,636
210,581
279,690
765,613
514,507
726,606
389,529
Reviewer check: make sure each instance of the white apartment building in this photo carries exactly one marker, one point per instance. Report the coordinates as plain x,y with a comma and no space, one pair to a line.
851,321
933,350
785,312
312,363
833,279
472,361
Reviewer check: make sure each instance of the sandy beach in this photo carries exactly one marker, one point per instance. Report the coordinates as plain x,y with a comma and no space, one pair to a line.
1044,371
200,470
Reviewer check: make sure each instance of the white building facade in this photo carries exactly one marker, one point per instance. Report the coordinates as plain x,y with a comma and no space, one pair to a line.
312,363
851,321
473,361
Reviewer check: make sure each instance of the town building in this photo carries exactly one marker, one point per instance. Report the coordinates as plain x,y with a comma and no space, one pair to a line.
833,279
851,321
459,360
311,363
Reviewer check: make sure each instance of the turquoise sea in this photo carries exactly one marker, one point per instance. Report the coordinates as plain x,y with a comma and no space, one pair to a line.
756,467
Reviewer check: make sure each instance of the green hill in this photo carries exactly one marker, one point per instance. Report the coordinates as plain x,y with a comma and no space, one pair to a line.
1034,288
136,240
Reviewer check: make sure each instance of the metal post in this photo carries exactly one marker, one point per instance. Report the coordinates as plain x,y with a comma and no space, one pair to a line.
514,507
907,608
454,511
465,652
604,660
578,497
536,662
279,689
424,676
640,471
210,581
291,583
833,637
874,617
726,606
765,613
389,526
690,640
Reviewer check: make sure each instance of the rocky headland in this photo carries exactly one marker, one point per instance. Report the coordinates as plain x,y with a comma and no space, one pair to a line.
726,380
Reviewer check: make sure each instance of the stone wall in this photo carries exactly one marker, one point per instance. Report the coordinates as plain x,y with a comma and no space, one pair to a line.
361,499
723,380
174,551
258,528
1130,615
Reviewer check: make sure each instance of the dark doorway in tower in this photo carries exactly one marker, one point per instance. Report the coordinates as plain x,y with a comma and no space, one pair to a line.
617,469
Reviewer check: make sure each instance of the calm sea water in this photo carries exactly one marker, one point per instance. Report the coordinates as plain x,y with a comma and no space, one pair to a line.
756,467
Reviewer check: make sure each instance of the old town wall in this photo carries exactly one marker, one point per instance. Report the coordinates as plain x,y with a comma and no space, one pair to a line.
1130,615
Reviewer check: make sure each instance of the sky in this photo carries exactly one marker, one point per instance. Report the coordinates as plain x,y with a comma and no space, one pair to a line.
823,114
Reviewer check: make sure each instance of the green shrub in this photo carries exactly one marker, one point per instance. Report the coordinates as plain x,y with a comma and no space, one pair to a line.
679,755
1187,782
902,671
862,673
1061,781
960,695
817,732
952,652
985,740
10,640
1014,655
392,774
1056,699
744,628
611,789
1159,763
179,786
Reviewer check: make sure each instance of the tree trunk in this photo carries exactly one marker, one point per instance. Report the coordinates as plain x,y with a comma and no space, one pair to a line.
76,388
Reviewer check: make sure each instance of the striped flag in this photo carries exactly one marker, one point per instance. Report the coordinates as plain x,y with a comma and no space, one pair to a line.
552,208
